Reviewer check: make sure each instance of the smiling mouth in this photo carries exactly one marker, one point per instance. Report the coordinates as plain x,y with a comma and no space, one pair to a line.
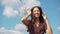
36,14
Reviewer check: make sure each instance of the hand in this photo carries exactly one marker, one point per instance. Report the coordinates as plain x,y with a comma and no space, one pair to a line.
44,15
27,10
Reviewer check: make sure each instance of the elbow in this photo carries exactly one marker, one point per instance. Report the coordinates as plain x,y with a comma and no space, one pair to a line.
22,20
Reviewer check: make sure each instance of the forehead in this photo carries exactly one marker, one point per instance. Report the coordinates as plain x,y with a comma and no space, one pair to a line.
36,8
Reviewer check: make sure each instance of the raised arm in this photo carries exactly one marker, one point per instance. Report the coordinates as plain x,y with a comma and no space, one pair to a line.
49,29
24,19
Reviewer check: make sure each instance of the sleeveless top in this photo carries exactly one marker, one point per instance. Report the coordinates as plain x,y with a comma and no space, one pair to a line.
37,30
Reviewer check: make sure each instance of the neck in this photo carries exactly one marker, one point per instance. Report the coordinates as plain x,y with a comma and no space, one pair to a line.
37,19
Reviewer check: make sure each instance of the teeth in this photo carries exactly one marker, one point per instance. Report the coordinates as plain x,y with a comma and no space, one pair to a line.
36,14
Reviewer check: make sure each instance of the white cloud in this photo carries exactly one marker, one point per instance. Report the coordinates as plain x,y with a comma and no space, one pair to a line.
20,27
31,3
17,30
11,3
11,8
5,31
58,28
2,28
19,5
28,4
9,12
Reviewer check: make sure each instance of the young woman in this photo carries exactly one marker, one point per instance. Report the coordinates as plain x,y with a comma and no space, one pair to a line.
38,23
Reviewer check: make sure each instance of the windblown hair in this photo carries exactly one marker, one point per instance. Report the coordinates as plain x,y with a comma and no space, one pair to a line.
41,19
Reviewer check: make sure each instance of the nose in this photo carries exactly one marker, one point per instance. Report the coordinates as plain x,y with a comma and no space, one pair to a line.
37,11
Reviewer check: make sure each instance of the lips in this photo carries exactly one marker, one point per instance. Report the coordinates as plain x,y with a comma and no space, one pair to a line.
36,15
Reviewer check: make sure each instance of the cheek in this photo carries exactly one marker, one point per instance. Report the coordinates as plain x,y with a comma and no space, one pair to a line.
34,13
39,13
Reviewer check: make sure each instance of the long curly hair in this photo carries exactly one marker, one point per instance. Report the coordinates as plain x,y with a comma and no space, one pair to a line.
41,19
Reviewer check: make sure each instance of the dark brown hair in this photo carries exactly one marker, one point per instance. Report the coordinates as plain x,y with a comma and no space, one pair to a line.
41,17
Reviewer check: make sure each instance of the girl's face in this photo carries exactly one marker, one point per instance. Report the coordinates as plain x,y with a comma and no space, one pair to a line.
36,12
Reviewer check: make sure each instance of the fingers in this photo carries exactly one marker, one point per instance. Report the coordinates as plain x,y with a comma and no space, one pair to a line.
44,15
27,10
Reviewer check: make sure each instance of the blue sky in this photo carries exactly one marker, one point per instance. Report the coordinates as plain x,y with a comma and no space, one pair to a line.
12,20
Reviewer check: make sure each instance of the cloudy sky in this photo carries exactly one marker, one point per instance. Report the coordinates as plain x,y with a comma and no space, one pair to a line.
11,12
